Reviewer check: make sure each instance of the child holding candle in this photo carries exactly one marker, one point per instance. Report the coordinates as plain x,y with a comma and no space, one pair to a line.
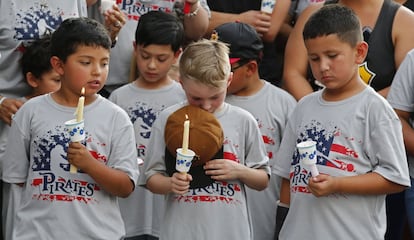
54,202
157,46
219,210
359,143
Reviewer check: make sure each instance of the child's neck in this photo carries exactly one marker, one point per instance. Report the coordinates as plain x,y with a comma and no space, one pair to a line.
142,83
71,100
334,95
254,86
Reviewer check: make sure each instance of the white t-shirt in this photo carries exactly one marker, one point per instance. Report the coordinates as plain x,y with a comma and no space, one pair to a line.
56,203
142,211
354,136
20,23
218,211
275,107
401,95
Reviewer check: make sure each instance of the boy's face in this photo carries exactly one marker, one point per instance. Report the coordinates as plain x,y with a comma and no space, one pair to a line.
241,73
335,63
204,96
48,82
154,61
86,67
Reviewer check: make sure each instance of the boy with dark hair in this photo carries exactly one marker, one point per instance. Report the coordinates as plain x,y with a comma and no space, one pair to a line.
157,46
55,202
41,77
359,144
217,210
269,104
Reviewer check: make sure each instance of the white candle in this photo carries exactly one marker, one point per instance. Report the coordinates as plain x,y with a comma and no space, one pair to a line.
186,134
81,103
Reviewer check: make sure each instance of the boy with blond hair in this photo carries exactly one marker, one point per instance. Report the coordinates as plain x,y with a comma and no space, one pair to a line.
195,211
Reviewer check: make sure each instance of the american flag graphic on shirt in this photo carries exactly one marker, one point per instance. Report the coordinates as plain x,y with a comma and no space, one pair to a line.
330,148
51,180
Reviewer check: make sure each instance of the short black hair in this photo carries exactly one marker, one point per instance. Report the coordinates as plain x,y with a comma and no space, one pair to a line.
74,32
334,19
161,28
36,57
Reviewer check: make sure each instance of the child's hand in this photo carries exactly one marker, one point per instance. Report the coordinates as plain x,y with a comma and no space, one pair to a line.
79,156
322,185
180,183
223,169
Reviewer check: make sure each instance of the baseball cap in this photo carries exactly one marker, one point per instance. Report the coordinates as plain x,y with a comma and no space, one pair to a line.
243,39
205,139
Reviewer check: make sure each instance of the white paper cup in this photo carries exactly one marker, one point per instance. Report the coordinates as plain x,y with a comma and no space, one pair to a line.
106,5
76,130
183,160
307,154
267,6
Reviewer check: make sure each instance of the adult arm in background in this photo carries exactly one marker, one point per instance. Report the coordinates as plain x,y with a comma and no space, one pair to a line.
296,57
196,26
8,108
114,21
402,37
267,25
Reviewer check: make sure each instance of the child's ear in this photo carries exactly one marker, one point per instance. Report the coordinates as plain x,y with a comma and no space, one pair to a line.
180,81
361,52
230,79
134,45
252,66
57,65
31,80
177,55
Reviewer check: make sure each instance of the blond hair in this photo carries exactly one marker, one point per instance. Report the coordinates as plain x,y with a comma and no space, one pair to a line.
207,62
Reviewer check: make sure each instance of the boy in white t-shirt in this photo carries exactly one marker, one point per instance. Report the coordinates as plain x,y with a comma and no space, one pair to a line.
158,40
40,76
359,144
219,209
56,203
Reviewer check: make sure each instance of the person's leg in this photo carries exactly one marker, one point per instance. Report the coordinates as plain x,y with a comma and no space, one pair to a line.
409,204
396,215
